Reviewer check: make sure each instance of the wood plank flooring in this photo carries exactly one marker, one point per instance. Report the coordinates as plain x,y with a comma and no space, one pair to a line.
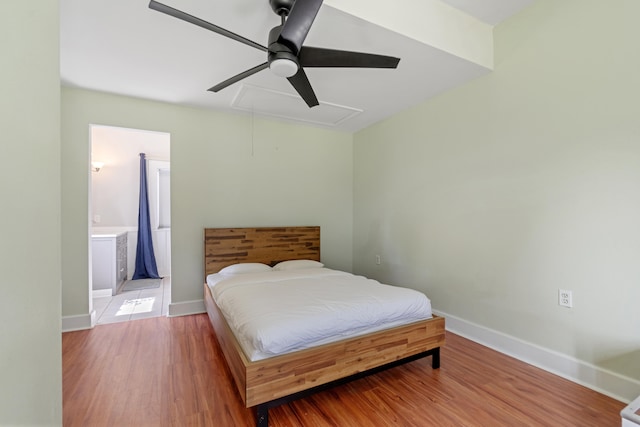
170,372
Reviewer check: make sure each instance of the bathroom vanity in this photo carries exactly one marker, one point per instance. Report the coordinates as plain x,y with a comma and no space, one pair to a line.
108,259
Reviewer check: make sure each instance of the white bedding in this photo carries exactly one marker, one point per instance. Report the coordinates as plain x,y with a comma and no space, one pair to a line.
277,312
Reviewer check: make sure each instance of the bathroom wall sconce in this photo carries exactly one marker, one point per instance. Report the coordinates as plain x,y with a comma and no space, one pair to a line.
96,166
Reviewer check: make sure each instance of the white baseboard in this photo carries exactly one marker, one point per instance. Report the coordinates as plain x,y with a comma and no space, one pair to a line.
186,308
79,322
88,321
609,383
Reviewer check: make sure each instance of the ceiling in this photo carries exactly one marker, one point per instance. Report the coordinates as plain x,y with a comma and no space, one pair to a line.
123,47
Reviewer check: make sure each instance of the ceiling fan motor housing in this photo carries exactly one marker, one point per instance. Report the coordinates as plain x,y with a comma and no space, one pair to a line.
281,7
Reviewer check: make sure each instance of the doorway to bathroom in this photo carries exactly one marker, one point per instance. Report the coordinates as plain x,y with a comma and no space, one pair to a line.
114,208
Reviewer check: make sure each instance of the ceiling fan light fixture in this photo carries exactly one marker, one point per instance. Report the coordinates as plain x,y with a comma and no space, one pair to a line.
283,67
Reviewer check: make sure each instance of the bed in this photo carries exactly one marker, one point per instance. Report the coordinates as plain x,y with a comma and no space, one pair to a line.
271,380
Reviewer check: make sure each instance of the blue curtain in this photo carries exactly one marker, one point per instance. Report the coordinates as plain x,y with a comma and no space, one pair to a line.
146,267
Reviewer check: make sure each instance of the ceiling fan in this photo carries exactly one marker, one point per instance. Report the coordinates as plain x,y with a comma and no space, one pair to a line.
286,56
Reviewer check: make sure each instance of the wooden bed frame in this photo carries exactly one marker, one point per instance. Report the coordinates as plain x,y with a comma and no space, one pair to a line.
267,383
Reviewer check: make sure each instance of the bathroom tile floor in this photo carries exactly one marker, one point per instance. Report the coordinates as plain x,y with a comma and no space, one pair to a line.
132,305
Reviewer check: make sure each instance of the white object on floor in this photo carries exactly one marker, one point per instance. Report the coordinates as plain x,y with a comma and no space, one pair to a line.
631,414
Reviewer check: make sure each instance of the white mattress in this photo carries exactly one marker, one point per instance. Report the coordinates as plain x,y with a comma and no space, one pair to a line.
277,312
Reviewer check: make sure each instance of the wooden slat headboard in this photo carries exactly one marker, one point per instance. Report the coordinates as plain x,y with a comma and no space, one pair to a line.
268,245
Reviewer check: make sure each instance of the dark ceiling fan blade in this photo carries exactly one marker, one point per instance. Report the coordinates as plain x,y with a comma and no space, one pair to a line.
298,23
239,77
301,84
204,24
320,57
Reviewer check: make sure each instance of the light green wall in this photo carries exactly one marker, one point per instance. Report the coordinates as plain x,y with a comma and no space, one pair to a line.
493,196
30,347
226,171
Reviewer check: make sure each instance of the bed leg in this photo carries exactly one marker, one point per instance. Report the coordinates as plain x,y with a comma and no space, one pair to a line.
435,358
262,416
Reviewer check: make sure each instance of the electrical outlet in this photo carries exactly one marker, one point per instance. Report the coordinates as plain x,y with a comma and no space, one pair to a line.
377,259
565,298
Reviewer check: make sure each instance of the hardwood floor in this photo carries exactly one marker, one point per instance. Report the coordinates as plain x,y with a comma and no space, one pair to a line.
170,372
